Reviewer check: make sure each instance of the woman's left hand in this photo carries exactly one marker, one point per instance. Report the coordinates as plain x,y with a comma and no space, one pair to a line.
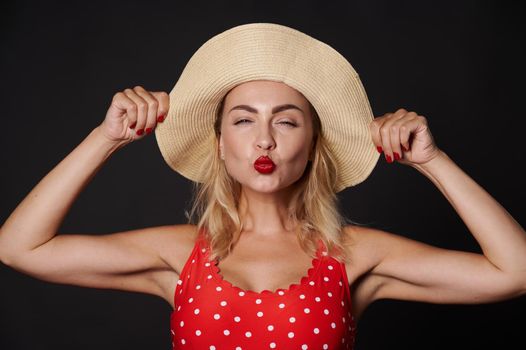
405,137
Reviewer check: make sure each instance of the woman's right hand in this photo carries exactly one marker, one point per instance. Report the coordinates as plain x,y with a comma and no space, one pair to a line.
134,113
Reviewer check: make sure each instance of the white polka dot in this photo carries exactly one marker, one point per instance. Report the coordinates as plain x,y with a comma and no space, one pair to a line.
248,334
217,316
198,287
343,304
188,276
292,319
343,340
190,300
281,292
179,282
196,311
179,308
209,276
311,283
317,299
340,283
325,346
181,323
333,325
219,289
171,330
302,296
326,279
193,261
272,345
306,310
329,294
241,293
181,291
304,347
330,267
198,332
291,334
226,332
270,328
237,318
316,330
203,250
326,312
207,264
260,314
281,306
238,347
183,341
212,347
258,301
223,303
343,319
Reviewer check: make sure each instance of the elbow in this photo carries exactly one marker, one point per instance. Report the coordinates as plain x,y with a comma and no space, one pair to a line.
518,285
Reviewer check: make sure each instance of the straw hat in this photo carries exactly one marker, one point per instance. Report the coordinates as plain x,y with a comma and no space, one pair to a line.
267,51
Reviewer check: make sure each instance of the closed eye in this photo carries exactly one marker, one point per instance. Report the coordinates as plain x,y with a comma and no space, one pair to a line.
242,121
286,122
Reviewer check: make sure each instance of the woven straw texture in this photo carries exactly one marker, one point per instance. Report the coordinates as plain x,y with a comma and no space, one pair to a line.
266,51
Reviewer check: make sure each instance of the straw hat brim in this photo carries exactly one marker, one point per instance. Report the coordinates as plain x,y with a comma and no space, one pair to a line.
267,51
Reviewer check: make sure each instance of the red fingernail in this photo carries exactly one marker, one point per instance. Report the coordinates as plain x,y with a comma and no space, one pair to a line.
160,118
148,130
388,158
396,156
140,132
133,125
379,149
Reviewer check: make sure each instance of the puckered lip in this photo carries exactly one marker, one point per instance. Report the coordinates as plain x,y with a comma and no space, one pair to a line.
262,160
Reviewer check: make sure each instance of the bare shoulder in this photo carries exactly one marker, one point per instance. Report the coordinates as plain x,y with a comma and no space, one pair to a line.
365,245
175,243
366,249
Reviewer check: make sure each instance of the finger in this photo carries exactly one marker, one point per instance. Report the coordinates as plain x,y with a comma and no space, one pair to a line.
152,104
400,132
124,103
388,133
164,104
141,110
411,125
374,127
405,132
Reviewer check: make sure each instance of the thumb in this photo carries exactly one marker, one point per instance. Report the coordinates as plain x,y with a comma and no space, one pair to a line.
164,102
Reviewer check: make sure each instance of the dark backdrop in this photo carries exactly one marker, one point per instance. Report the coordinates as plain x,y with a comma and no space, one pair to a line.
456,62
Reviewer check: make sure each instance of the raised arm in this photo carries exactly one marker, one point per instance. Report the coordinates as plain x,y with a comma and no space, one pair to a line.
29,240
411,270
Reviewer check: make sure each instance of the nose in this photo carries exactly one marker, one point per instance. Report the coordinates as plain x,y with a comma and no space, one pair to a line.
265,140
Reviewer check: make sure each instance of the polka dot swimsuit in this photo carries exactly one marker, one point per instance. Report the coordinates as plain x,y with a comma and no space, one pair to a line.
212,314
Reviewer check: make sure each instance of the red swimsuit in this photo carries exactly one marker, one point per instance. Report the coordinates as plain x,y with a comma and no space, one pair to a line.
212,314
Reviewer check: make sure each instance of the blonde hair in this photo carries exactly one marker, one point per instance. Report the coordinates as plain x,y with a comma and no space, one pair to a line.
314,204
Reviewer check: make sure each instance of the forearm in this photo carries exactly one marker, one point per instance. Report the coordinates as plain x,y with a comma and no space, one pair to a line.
38,217
500,237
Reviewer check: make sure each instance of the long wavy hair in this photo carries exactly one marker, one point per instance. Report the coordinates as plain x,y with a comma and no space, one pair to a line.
313,205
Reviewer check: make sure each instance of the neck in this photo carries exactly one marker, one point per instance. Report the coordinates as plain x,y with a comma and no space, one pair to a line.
266,214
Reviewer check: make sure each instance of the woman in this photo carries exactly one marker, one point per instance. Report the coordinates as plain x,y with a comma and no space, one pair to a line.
271,123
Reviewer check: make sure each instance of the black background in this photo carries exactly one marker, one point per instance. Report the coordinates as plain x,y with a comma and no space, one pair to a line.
459,63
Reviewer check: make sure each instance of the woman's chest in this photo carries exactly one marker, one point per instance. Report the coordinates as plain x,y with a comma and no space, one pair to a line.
314,311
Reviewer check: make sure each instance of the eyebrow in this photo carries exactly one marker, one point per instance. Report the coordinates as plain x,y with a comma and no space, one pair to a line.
276,109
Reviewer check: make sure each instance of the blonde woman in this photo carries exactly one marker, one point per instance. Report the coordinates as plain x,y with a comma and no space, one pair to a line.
270,124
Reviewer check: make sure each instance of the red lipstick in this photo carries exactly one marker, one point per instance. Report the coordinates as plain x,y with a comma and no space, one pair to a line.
264,165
